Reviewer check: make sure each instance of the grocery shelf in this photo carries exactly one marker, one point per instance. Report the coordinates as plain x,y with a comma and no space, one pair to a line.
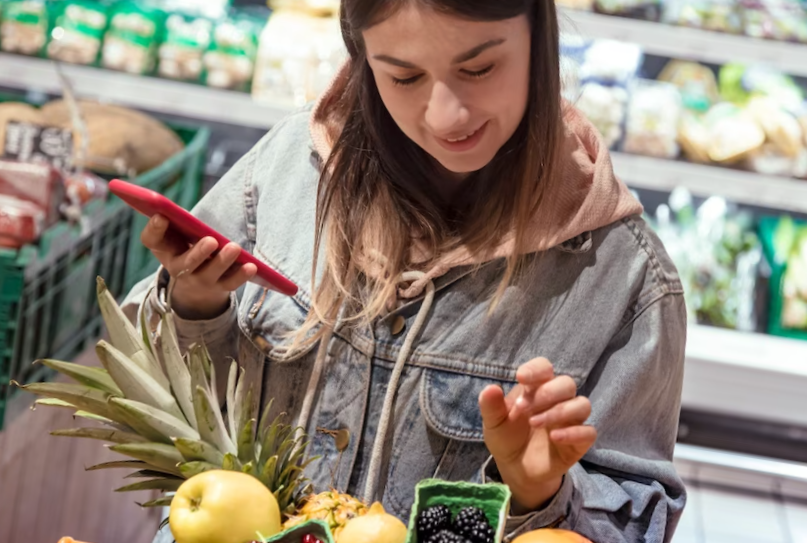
783,193
687,43
149,93
748,375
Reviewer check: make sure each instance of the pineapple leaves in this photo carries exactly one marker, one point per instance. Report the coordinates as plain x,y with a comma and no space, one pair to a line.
80,396
134,464
231,411
231,463
211,423
198,450
123,334
156,454
178,373
136,383
165,501
97,378
189,469
167,485
151,474
159,421
103,434
246,445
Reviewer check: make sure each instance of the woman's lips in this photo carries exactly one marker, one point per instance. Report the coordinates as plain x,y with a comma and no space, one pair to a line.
463,143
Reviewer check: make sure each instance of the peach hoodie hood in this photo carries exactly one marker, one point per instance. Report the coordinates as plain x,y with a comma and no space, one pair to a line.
588,194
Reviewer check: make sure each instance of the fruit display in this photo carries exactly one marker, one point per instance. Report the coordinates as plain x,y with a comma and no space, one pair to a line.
783,20
718,254
785,244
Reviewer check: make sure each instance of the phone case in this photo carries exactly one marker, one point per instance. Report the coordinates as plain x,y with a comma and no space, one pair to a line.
150,203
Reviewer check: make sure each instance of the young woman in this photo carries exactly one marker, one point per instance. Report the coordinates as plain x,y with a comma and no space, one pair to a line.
486,302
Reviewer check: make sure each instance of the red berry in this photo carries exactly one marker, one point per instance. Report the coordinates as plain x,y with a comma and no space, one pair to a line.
309,538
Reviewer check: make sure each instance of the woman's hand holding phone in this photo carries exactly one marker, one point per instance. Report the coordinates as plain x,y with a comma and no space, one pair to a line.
204,280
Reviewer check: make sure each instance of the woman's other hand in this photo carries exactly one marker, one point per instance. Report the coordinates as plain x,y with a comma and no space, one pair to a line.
537,432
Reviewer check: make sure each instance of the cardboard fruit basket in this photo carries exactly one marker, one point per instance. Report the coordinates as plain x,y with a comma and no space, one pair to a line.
492,498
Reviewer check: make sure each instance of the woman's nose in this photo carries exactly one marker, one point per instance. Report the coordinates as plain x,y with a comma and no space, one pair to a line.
445,111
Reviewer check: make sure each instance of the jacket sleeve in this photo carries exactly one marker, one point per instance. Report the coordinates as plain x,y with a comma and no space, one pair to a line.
626,488
229,208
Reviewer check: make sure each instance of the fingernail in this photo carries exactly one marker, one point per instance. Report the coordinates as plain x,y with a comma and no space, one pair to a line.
158,221
537,421
209,245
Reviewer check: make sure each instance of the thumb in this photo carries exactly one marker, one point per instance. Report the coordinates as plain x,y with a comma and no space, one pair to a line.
493,406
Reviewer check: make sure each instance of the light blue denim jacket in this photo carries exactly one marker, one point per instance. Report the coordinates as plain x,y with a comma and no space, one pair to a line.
606,308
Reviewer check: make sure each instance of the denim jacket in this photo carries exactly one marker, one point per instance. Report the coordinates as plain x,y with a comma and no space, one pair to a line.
606,308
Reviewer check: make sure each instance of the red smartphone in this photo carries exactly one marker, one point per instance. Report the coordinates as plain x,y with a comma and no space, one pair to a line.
150,203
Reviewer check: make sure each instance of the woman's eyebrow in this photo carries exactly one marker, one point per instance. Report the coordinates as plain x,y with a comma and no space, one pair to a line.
459,59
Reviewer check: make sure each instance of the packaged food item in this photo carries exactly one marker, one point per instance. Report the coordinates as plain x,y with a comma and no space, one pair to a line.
230,61
298,56
770,160
16,112
83,187
739,83
35,182
734,134
605,106
21,222
78,31
210,9
120,140
313,8
582,5
784,20
187,38
694,138
23,26
781,127
717,15
718,254
654,114
611,62
130,43
787,248
648,10
696,83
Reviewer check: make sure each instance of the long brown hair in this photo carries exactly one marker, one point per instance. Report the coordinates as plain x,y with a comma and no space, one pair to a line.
376,193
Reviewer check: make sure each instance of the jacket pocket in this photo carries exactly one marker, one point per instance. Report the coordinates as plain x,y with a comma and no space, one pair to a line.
270,320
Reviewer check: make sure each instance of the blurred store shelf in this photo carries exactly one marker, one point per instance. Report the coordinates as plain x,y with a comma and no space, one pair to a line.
687,43
153,94
746,375
774,192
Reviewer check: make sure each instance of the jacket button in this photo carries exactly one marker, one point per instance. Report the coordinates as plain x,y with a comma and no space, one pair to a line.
397,325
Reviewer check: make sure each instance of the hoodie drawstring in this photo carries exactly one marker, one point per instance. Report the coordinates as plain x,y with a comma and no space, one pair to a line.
370,489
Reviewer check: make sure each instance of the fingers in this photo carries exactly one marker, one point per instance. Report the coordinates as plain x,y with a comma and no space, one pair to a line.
580,437
213,270
234,279
573,412
495,411
156,237
548,395
535,373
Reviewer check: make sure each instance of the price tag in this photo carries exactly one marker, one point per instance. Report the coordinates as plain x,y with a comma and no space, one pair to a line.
28,142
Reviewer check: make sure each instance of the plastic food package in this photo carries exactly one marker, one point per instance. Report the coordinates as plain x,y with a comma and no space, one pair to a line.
130,43
610,61
583,5
789,249
211,9
784,20
186,41
298,57
648,10
605,106
35,182
315,8
230,61
717,254
696,83
734,133
781,128
23,26
717,15
653,117
21,222
78,31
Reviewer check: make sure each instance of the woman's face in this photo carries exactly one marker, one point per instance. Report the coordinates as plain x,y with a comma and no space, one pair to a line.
455,87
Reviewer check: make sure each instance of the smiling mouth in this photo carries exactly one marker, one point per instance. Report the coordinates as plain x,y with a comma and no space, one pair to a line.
462,138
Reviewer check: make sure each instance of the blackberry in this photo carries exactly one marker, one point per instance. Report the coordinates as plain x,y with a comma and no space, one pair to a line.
446,536
432,520
472,524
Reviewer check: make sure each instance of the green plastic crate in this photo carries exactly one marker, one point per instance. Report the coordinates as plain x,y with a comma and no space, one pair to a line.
767,229
47,294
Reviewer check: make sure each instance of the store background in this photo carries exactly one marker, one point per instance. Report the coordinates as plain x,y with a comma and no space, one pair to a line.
743,434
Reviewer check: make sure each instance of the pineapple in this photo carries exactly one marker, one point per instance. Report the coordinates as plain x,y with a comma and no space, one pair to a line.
166,417
333,507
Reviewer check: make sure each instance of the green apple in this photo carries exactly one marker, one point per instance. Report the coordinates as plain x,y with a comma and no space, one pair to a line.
223,507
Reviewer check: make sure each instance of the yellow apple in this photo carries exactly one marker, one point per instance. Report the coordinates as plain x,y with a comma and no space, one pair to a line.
376,526
223,507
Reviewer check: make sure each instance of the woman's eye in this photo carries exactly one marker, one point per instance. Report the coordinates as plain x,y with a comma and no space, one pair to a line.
405,82
480,73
